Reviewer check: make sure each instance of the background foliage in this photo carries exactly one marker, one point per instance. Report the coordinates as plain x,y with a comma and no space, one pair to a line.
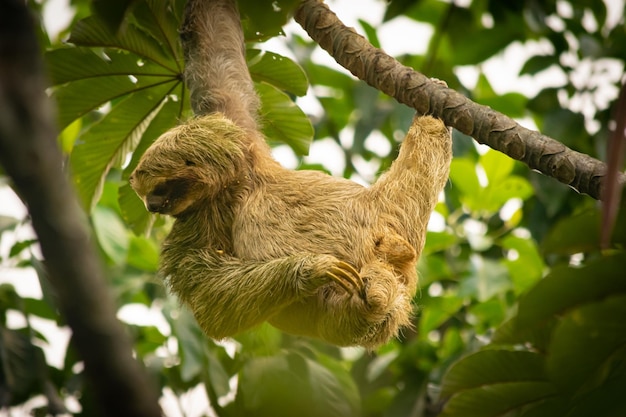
520,311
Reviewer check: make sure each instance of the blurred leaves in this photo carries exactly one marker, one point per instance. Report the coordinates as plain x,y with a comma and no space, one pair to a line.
584,351
500,188
313,389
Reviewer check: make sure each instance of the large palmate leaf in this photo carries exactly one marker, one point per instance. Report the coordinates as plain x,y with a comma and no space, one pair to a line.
580,334
86,80
137,71
493,382
569,288
587,343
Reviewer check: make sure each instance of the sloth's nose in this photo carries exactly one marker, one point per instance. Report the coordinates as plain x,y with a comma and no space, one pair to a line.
155,204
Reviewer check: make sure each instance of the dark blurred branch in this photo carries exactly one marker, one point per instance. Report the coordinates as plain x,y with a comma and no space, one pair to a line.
30,156
372,65
616,150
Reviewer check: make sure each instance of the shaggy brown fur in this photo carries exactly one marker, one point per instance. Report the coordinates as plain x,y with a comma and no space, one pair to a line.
312,254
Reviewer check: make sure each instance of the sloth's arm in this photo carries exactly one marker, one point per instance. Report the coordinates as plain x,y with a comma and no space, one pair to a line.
228,295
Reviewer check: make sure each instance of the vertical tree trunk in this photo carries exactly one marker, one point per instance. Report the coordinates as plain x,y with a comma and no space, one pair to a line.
30,156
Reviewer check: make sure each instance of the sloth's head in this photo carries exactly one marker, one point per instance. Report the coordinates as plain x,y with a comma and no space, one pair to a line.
190,163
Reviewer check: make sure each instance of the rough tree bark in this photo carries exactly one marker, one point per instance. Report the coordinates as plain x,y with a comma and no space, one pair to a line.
30,156
372,65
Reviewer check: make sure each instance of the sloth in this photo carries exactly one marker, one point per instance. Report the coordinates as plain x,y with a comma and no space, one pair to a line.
312,254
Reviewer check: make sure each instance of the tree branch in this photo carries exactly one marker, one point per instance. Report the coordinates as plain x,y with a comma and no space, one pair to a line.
29,154
487,126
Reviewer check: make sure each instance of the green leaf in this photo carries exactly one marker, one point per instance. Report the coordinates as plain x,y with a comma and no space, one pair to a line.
497,400
93,32
586,341
568,288
143,253
111,139
483,89
23,364
323,75
590,47
496,194
491,368
74,103
550,407
134,211
73,64
190,343
398,7
487,278
438,241
40,308
49,292
160,20
112,12
545,101
497,166
217,376
436,311
337,112
528,267
511,104
370,32
423,11
487,315
111,233
264,19
606,400
452,344
377,402
433,268
578,233
313,390
279,71
537,338
9,299
263,340
566,125
463,176
68,136
341,373
471,46
538,63
379,365
18,247
283,121
148,340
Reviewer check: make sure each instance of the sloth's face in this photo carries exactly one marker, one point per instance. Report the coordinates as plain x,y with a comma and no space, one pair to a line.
171,196
188,164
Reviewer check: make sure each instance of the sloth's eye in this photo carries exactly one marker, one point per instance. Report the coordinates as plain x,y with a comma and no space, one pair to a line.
189,163
160,190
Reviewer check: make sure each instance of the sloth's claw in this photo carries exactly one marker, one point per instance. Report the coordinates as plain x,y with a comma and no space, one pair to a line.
347,277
